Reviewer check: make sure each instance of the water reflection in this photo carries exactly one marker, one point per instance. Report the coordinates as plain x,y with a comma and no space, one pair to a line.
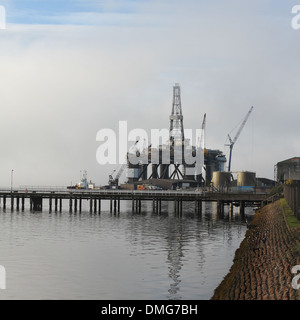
190,244
127,256
174,260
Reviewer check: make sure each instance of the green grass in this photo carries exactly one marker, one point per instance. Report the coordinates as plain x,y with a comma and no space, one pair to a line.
292,221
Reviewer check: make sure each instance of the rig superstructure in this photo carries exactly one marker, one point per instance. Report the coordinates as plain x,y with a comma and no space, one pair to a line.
172,164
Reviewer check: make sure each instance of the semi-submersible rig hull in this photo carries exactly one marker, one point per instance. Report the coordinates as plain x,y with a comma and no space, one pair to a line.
175,174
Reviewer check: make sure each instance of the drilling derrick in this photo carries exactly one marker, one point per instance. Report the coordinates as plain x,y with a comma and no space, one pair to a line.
176,118
177,135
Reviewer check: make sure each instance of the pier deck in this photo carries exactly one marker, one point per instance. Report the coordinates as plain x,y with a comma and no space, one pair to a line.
75,197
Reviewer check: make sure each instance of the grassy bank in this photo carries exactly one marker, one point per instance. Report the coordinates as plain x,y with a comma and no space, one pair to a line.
294,225
291,220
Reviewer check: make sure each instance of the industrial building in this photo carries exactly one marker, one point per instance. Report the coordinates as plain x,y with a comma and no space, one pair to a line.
288,170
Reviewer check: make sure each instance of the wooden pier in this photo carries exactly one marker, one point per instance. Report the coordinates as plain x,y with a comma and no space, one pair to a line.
38,199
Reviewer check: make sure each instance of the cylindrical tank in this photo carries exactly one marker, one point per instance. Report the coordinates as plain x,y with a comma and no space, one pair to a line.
246,178
221,179
246,181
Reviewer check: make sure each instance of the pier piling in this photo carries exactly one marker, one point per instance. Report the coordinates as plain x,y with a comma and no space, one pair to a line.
95,205
91,205
242,209
70,205
99,205
75,204
23,203
18,203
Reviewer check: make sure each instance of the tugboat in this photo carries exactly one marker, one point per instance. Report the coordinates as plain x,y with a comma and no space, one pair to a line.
83,184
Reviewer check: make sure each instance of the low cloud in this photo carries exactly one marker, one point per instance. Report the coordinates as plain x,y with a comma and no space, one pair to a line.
60,84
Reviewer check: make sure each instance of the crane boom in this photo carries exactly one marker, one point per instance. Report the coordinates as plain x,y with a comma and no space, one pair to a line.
115,181
242,125
203,132
232,142
201,139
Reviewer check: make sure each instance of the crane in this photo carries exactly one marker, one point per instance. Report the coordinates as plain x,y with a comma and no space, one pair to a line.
232,142
201,144
115,181
201,139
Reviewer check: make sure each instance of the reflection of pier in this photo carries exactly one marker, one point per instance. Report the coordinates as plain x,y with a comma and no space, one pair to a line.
95,197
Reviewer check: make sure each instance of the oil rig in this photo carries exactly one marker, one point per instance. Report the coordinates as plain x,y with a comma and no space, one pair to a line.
172,165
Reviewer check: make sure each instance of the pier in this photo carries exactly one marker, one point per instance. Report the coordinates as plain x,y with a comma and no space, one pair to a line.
39,199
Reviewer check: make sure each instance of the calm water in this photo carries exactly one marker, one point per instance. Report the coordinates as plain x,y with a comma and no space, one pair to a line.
127,256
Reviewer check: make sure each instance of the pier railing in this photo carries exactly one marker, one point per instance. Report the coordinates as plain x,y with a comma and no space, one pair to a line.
271,199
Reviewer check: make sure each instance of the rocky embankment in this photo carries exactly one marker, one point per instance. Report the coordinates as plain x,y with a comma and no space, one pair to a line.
262,265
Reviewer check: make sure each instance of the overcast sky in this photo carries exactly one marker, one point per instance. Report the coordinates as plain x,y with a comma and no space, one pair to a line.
69,68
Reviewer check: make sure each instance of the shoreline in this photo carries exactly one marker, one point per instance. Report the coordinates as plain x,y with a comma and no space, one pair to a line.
262,265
